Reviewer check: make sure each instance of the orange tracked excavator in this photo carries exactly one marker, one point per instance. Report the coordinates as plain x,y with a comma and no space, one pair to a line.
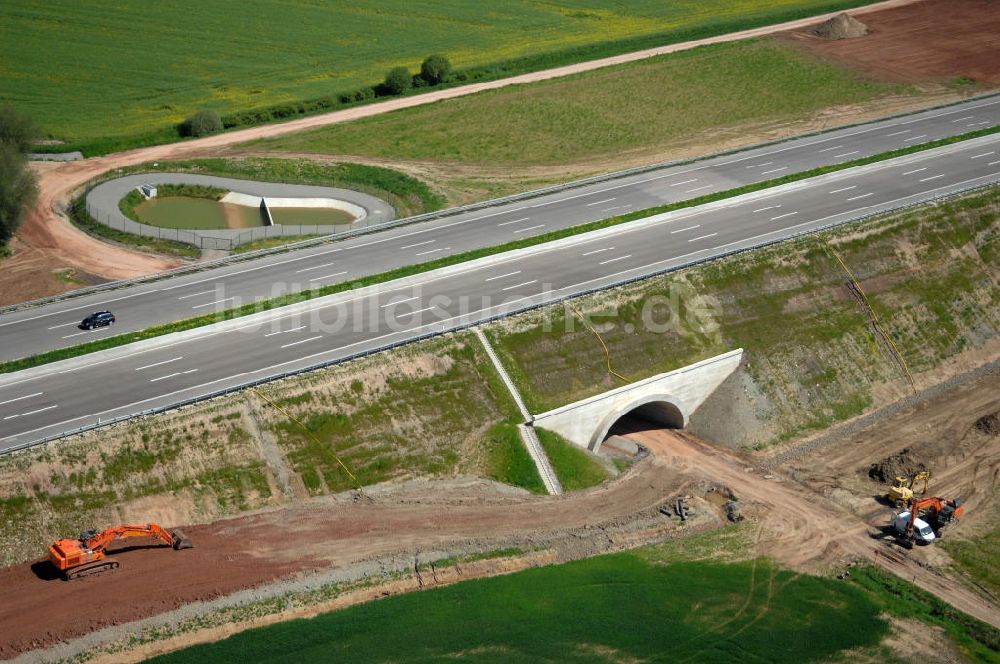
85,556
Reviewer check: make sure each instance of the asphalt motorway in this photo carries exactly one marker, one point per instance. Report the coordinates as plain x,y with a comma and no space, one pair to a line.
60,397
39,329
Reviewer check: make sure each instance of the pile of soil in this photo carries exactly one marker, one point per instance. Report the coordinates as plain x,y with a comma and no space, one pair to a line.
841,26
901,464
989,424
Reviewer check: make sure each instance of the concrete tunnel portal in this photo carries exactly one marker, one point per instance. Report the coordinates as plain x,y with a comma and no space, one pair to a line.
665,400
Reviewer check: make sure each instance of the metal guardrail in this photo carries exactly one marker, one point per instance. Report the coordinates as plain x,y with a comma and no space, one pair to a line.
472,207
490,318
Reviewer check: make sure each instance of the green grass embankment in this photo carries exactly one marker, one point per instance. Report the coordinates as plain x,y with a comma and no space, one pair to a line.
575,468
975,555
400,426
271,243
976,640
517,37
508,460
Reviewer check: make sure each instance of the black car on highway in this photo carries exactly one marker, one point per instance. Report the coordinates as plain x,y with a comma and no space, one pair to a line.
98,319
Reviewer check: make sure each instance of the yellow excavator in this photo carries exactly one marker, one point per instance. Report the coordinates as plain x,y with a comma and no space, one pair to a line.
902,492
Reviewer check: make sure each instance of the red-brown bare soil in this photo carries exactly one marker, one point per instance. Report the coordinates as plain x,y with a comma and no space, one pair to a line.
931,41
249,551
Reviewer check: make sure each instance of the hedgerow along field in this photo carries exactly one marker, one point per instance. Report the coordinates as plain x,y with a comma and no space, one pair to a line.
105,76
607,609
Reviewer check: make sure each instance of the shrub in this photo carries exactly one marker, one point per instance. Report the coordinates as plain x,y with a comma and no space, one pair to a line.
17,182
363,94
202,123
435,69
398,81
17,190
17,130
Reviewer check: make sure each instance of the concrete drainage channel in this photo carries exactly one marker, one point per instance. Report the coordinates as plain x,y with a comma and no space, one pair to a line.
525,429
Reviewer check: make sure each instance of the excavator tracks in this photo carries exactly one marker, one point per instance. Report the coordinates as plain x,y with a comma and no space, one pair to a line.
105,565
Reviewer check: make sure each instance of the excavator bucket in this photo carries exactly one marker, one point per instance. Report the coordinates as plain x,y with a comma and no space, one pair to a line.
181,540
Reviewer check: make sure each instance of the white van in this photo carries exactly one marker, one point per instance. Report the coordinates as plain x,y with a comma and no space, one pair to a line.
922,532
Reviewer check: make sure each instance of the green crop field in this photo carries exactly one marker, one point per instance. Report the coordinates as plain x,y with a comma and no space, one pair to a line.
601,114
100,70
609,609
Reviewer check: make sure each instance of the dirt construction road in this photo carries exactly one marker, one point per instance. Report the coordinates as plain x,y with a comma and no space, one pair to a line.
47,232
802,530
240,553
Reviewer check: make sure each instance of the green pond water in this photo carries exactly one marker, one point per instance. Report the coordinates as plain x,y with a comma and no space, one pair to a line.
194,213
309,216
204,214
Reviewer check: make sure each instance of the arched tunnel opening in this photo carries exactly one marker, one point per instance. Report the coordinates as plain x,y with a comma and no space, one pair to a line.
651,415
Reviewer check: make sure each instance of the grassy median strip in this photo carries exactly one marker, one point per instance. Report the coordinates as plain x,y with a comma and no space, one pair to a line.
410,270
